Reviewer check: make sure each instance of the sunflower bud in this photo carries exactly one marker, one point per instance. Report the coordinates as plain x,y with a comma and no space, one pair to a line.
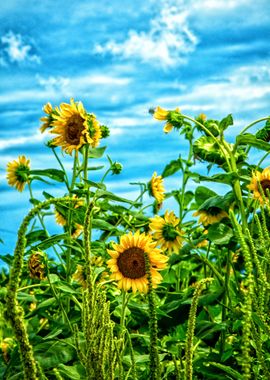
105,131
116,168
37,265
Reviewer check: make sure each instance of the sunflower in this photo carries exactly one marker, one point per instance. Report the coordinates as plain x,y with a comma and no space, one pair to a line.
156,187
259,184
211,215
162,114
47,120
128,265
166,231
71,124
18,172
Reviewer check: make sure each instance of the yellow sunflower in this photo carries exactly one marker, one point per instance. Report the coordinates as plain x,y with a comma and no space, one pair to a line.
156,187
18,172
166,231
211,215
71,124
162,114
128,265
47,120
36,265
260,180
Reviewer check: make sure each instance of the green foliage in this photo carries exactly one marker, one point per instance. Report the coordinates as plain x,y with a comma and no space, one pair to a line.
63,317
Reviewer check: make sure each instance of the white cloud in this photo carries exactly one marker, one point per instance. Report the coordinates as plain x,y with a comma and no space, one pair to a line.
54,84
168,41
8,143
15,49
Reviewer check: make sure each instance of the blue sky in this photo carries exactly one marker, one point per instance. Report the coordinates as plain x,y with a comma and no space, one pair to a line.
120,58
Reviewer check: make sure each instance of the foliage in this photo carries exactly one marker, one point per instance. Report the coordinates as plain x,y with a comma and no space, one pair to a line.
63,314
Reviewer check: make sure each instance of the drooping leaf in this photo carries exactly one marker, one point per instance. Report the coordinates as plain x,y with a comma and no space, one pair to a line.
172,168
55,174
220,233
251,140
226,122
96,152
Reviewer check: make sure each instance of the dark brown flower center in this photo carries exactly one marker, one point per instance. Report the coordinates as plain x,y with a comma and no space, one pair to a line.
131,263
265,184
74,128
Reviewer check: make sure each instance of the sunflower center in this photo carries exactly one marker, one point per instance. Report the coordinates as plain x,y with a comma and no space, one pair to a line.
131,263
74,128
265,184
213,211
169,233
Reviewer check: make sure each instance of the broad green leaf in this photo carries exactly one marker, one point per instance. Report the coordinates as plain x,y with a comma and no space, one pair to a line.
96,152
47,243
226,122
172,168
75,372
102,225
203,193
220,233
55,174
34,236
251,140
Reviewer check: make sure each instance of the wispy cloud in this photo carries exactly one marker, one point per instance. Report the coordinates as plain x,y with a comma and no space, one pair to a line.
167,42
16,49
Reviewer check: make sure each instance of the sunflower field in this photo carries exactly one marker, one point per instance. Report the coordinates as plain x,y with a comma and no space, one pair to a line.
103,287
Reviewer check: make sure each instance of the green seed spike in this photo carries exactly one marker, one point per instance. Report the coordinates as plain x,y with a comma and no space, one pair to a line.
191,327
14,311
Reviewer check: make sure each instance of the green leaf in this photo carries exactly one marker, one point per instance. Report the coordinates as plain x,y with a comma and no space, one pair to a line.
226,122
47,243
108,194
98,185
54,353
203,193
75,372
96,152
55,174
227,178
34,236
101,224
251,140
232,372
220,233
172,168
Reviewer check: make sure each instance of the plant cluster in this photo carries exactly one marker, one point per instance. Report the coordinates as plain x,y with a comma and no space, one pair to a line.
101,288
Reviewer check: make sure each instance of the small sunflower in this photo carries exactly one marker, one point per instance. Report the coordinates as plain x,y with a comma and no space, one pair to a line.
18,172
128,265
166,231
260,182
47,120
211,215
71,124
162,114
156,188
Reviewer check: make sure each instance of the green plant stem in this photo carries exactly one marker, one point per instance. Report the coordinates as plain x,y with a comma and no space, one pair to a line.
253,123
62,167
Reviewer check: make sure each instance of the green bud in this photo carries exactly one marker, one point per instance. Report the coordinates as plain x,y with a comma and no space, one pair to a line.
105,131
116,168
